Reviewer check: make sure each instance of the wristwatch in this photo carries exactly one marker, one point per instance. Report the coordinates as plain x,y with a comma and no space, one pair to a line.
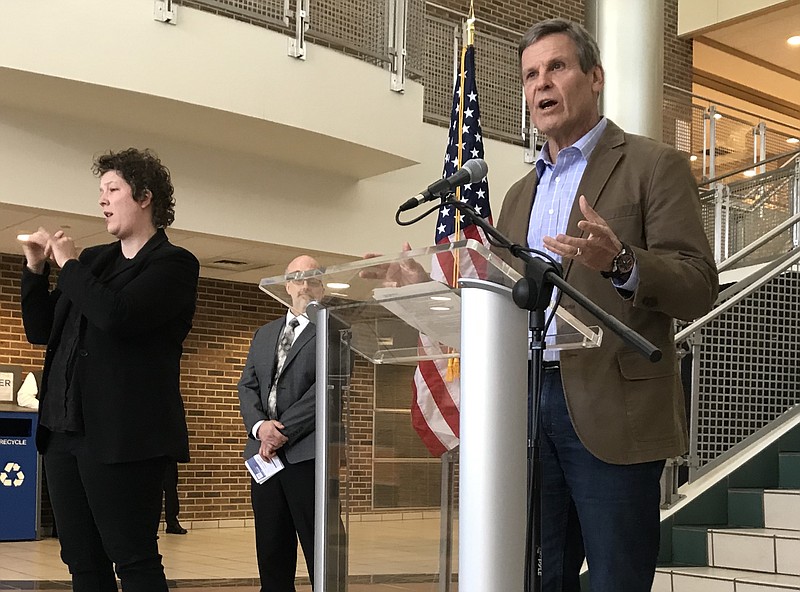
622,265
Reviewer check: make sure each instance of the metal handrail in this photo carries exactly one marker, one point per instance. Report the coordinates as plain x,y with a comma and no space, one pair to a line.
742,289
792,153
759,242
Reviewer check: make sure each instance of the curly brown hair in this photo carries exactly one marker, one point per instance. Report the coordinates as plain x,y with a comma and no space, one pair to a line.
143,171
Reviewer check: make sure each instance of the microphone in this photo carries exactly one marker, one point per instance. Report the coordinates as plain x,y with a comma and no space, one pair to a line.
472,172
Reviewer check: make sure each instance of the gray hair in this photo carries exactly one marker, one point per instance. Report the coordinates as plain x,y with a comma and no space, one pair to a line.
588,52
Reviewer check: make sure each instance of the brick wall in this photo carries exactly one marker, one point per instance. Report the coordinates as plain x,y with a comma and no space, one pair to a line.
14,348
215,484
678,55
360,412
518,15
677,123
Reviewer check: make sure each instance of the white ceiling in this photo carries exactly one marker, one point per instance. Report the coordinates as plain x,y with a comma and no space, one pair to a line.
764,37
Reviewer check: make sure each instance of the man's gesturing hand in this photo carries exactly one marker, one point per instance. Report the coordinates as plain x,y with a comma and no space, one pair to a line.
596,250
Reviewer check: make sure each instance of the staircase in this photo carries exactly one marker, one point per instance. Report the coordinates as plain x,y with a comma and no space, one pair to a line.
742,533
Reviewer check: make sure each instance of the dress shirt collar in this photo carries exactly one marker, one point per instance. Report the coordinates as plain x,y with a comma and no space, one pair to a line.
302,321
586,144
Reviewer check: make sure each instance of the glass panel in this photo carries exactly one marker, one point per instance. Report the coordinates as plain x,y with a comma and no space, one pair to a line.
407,485
395,438
393,386
382,491
388,301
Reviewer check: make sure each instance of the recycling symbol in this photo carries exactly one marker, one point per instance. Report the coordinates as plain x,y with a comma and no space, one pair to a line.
12,475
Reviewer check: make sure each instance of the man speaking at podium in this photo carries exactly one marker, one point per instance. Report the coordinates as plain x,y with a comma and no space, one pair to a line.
622,213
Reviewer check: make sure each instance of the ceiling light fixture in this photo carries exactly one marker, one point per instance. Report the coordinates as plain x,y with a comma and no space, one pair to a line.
338,285
794,40
793,140
693,157
750,173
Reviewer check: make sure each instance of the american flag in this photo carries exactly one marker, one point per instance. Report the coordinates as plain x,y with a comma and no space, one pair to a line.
437,393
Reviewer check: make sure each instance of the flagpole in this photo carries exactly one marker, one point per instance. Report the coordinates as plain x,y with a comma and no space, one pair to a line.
471,25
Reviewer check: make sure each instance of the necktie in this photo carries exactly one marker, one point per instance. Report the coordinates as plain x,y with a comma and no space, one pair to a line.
284,345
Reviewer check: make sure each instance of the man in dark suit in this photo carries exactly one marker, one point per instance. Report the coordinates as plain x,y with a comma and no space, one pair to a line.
622,213
277,396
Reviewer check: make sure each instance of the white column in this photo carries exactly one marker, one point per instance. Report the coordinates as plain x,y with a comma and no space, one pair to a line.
493,451
630,34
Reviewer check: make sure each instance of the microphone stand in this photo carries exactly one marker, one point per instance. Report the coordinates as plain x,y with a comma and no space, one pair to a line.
533,292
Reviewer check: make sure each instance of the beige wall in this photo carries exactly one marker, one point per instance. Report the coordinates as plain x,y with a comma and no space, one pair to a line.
697,15
261,146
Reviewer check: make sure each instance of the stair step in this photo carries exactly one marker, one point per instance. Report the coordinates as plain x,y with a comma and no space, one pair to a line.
690,545
789,470
746,507
767,550
714,579
782,508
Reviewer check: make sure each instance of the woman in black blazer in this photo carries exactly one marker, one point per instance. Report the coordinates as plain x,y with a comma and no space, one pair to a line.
111,415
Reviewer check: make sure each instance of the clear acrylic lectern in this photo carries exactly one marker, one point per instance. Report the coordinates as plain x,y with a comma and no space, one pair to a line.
373,313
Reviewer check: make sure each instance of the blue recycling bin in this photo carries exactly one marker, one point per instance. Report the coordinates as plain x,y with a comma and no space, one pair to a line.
19,476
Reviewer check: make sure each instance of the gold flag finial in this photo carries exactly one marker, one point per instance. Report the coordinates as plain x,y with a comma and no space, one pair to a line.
471,25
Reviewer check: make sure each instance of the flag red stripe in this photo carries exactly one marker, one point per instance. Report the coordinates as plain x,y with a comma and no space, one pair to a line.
423,429
440,392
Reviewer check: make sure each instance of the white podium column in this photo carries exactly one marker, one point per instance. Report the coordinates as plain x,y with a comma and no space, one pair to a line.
493,449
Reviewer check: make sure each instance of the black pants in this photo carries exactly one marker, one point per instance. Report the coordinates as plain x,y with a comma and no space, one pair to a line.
107,516
171,504
283,508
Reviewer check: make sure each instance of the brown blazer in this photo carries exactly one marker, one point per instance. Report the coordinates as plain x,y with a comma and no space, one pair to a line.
626,409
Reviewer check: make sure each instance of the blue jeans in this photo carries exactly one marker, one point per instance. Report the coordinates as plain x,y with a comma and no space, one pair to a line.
609,512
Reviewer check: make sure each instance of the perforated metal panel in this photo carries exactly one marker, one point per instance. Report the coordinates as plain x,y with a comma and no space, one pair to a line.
753,207
358,25
416,40
256,11
496,73
748,366
500,88
683,126
441,37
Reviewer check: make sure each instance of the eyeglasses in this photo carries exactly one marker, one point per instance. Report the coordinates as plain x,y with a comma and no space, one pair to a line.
296,278
312,283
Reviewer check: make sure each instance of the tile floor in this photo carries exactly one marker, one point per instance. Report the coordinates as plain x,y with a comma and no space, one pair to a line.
385,556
